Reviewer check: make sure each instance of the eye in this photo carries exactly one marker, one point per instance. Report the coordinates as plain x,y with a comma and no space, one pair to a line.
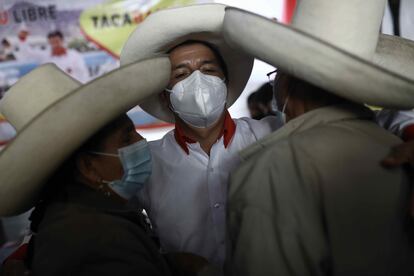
180,76
128,135
126,141
209,69
181,73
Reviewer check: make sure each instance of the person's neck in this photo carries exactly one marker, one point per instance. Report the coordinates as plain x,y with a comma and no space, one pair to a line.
102,189
206,137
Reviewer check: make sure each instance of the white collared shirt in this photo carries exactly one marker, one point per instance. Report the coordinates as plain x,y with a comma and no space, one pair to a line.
186,195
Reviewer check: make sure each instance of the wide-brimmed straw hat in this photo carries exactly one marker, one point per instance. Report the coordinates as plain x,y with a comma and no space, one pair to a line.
163,30
333,44
54,115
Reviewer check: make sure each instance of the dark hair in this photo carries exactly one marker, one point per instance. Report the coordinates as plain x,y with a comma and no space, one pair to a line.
55,33
4,41
265,93
309,92
252,98
212,47
54,189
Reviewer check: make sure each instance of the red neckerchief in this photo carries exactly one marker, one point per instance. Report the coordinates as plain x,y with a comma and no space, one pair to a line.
229,129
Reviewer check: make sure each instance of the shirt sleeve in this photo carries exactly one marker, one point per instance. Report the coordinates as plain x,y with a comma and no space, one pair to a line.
395,121
263,127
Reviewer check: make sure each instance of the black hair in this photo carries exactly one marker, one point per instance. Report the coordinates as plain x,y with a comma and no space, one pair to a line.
265,93
252,99
4,41
308,91
212,47
55,33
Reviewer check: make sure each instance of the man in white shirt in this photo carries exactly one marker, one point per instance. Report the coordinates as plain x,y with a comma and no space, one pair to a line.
66,59
22,50
187,193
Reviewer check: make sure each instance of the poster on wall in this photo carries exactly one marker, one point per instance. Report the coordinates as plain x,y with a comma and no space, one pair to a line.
84,38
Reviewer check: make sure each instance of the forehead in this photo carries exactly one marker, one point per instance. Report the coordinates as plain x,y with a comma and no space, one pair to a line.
191,52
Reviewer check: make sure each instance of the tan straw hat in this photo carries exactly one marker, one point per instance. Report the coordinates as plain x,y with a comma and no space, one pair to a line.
54,115
165,29
334,44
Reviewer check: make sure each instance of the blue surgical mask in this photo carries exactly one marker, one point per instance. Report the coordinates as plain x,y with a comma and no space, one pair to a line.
136,162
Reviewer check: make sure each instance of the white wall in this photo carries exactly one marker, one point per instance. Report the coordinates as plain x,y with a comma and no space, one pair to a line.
268,8
406,20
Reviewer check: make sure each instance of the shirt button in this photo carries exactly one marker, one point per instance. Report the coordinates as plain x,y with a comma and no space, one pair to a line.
216,205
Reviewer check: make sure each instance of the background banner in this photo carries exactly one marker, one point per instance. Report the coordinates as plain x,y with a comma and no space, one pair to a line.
83,38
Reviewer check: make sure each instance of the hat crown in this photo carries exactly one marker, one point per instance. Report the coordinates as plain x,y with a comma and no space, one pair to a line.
34,93
351,25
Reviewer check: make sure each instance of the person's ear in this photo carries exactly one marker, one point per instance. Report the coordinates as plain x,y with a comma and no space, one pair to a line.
86,168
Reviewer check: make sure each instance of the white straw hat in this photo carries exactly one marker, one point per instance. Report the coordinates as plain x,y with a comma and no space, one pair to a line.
165,29
54,115
331,44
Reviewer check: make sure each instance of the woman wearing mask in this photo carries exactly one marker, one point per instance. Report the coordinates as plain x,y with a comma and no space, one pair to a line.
82,224
80,186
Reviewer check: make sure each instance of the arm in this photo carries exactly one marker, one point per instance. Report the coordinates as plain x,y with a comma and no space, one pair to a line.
400,123
397,122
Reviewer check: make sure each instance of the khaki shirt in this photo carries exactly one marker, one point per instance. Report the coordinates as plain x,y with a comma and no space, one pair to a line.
312,199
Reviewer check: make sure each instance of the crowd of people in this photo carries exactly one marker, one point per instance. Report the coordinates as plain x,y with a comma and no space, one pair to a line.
316,183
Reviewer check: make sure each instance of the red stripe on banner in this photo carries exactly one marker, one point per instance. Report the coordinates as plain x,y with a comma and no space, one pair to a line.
153,126
289,9
99,44
3,143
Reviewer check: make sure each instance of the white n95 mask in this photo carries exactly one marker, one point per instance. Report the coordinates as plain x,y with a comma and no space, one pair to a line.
199,100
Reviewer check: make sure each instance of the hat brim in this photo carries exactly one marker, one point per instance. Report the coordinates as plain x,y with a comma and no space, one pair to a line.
50,137
165,29
396,54
318,62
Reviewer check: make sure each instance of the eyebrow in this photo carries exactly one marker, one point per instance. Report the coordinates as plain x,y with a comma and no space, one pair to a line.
204,62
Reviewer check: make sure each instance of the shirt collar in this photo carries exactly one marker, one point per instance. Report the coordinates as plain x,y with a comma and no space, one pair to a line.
323,115
228,131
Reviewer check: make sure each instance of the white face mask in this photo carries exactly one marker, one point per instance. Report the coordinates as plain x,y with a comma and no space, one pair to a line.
199,100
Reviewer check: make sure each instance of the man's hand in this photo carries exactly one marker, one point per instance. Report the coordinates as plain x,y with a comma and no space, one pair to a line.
400,155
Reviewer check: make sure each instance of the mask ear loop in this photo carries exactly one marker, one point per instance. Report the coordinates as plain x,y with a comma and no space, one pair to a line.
104,153
285,104
170,91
